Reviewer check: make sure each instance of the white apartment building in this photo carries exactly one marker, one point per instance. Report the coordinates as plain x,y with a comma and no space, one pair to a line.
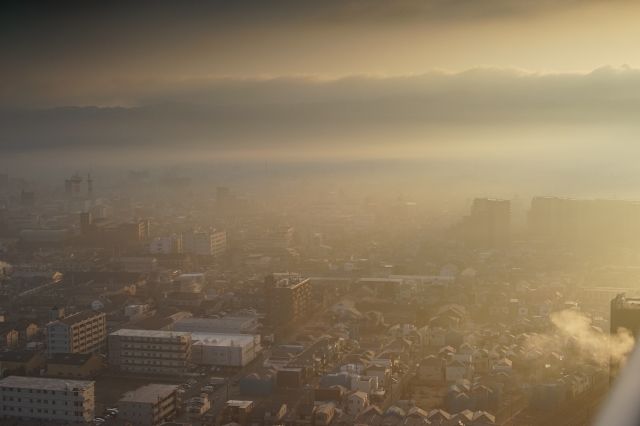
150,351
52,401
84,332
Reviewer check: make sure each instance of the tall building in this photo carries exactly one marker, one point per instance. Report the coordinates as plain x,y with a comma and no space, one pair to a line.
89,186
223,195
84,332
225,350
205,243
166,245
52,401
72,186
27,198
625,314
288,298
592,222
150,351
86,223
489,224
148,405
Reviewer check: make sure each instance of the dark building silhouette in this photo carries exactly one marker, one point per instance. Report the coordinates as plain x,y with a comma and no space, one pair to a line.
625,314
288,298
566,221
489,223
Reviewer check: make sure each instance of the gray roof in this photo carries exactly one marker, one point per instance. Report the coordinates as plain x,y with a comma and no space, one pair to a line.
149,393
44,383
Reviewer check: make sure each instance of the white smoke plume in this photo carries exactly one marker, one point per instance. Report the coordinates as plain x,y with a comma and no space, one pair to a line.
574,335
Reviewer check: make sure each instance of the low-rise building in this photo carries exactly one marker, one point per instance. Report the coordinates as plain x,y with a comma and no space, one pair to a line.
9,336
228,324
148,405
224,350
150,351
23,363
80,366
53,401
237,411
84,332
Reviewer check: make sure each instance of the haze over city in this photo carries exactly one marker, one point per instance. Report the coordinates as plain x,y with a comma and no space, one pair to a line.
319,213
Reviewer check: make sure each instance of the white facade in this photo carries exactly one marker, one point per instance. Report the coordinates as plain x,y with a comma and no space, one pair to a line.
48,400
225,350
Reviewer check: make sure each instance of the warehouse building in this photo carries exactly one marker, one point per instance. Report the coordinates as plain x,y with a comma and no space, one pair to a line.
228,324
224,350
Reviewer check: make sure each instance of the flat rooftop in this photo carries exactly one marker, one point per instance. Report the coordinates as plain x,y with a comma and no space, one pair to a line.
44,383
149,333
228,321
222,339
80,316
238,403
149,393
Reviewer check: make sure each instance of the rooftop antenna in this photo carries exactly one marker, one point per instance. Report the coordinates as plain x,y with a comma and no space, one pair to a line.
89,185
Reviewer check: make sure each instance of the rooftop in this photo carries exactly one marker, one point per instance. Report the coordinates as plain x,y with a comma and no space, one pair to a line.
69,359
222,339
79,317
149,333
238,403
44,383
149,393
17,356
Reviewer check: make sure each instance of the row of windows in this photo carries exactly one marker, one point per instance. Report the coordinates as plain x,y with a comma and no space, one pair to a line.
39,401
6,408
154,339
140,354
43,391
152,362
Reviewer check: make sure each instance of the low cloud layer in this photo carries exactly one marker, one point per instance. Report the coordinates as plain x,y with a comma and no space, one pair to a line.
258,113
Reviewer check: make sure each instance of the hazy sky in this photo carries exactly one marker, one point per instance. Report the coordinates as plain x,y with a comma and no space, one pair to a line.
80,53
547,84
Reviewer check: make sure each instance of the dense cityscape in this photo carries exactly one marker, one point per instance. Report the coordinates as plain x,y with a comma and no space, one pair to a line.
145,306
319,213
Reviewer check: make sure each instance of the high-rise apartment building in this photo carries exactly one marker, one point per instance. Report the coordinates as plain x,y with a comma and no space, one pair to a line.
288,298
46,401
625,315
489,224
83,332
597,223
